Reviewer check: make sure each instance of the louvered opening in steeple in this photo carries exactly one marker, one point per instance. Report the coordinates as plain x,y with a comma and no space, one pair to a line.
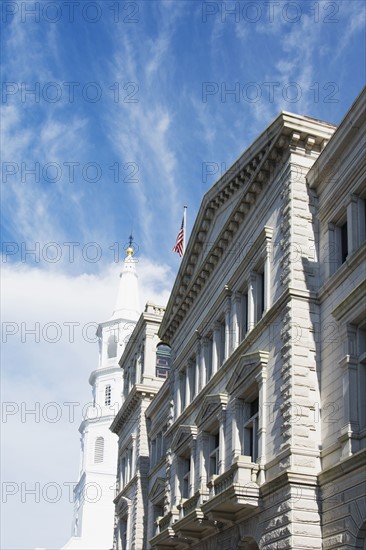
99,450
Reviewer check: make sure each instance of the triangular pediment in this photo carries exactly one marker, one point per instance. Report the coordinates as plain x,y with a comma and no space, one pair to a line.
123,506
221,216
223,209
157,490
247,368
183,434
230,202
211,406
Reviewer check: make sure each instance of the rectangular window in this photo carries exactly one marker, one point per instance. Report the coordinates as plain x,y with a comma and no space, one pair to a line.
123,473
158,511
162,372
214,444
192,377
153,459
338,244
107,395
344,242
259,295
182,381
123,533
159,441
244,316
208,357
250,435
163,361
222,343
186,477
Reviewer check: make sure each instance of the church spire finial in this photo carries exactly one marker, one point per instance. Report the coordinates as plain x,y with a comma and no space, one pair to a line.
128,304
130,251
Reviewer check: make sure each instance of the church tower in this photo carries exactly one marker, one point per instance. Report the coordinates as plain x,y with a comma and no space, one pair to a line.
93,520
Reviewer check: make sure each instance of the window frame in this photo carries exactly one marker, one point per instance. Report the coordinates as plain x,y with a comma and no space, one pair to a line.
250,430
162,371
214,453
107,395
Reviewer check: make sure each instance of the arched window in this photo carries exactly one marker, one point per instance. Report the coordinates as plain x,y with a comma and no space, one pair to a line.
99,450
107,395
163,360
112,346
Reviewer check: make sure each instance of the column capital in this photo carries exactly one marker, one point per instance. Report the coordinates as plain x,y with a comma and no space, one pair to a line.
228,291
217,326
252,277
236,297
352,198
203,436
191,363
205,341
198,335
261,377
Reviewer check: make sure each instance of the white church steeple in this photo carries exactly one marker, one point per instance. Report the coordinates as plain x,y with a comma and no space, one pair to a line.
98,444
114,333
128,303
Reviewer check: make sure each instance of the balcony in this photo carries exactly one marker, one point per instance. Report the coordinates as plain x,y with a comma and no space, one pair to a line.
166,536
191,523
236,490
210,508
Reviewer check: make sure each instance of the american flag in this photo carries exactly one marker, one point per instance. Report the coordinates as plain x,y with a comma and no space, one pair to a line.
178,247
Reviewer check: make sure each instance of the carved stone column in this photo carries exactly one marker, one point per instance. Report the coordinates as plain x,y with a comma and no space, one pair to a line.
203,366
177,391
251,300
192,483
188,386
236,306
262,426
228,331
216,346
202,450
349,365
222,447
191,375
197,367
235,427
267,279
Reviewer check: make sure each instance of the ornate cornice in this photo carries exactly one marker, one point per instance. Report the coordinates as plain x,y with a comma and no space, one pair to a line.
137,394
353,260
183,435
241,185
102,372
343,467
354,304
247,364
211,407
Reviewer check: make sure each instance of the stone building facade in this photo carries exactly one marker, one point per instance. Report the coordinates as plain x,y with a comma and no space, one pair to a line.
145,364
257,438
338,179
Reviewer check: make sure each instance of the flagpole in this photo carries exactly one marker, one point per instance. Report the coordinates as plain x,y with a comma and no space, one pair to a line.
184,228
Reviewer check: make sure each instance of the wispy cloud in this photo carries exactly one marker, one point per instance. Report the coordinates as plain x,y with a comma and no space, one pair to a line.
35,136
145,132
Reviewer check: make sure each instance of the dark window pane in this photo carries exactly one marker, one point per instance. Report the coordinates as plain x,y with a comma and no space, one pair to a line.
344,242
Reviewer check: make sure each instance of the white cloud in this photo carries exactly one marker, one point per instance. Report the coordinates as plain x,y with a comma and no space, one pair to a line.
37,375
144,132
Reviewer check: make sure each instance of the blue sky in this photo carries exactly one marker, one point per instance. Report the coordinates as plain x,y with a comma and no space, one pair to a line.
137,109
